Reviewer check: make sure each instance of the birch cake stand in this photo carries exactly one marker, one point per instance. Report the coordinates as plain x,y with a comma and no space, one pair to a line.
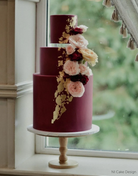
63,162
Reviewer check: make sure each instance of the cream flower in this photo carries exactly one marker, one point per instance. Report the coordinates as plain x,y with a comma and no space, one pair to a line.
76,89
78,41
70,49
89,55
71,67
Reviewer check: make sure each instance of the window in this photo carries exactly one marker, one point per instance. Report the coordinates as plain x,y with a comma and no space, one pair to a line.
115,94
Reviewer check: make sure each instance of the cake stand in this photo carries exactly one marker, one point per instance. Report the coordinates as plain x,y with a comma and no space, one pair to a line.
63,162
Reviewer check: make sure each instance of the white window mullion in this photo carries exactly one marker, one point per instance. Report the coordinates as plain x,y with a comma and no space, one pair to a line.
32,0
42,30
41,40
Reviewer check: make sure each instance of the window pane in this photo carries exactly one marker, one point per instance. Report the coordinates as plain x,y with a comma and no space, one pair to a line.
115,94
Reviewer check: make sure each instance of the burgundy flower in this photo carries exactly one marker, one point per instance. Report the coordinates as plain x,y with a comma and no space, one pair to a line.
76,56
66,76
82,78
76,30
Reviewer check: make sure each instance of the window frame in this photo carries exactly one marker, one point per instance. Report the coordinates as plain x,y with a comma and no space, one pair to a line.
40,149
42,40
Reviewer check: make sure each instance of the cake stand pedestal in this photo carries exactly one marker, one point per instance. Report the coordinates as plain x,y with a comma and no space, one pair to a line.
63,162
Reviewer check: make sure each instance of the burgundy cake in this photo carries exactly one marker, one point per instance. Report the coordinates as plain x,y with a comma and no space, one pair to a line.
63,89
60,25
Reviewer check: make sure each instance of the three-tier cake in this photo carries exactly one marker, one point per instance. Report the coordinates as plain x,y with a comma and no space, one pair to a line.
63,89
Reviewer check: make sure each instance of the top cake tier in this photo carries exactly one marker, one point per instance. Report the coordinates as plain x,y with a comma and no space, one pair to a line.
61,27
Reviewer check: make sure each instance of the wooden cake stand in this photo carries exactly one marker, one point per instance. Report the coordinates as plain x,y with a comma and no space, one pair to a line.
63,162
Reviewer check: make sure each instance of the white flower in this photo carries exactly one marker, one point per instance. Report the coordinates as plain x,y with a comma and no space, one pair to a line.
83,27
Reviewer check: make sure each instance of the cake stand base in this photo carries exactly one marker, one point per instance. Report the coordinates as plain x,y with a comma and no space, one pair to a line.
63,162
57,165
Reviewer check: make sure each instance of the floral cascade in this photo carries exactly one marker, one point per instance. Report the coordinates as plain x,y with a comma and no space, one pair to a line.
76,70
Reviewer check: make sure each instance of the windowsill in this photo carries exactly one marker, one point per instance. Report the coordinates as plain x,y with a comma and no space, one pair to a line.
38,165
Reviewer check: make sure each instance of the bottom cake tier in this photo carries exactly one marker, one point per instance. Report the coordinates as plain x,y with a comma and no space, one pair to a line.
77,117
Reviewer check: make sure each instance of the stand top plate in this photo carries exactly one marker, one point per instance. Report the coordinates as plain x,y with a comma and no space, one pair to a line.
94,129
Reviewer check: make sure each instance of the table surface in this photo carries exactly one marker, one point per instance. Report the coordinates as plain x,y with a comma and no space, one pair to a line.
93,130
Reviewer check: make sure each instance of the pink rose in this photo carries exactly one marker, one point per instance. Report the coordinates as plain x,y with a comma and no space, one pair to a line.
89,72
71,67
78,41
84,70
70,49
83,28
76,89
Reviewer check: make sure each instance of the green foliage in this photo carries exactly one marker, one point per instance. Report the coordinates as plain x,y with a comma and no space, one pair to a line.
115,77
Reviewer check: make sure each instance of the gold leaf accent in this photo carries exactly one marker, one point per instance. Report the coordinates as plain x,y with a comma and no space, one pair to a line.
62,97
64,52
70,98
60,63
65,35
60,87
59,79
67,28
63,41
59,49
73,21
55,114
61,74
64,38
58,100
56,93
63,109
61,38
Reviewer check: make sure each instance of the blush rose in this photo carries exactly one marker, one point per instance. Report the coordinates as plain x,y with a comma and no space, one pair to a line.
76,89
84,70
70,49
78,41
71,67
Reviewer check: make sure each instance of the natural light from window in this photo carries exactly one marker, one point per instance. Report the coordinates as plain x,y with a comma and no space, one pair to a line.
115,89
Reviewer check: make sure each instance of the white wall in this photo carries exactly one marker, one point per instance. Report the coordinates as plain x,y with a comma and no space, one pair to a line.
17,65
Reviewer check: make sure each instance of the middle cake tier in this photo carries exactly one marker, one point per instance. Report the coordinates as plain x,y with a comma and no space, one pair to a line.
52,60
